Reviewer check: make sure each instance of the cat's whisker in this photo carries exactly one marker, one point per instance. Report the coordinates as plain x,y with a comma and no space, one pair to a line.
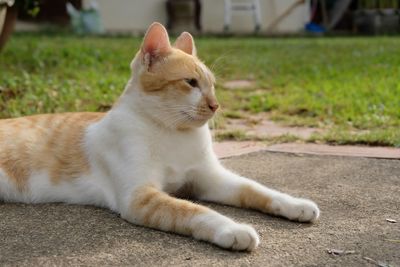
182,107
173,108
176,118
219,60
168,120
178,121
180,110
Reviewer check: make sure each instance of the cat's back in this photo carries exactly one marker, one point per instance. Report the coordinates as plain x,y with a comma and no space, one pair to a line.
46,129
50,143
47,123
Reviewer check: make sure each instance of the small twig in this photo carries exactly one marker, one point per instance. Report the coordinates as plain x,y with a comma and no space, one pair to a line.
393,240
339,252
377,263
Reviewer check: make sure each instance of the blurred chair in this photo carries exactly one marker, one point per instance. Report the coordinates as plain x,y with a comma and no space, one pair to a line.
250,6
178,9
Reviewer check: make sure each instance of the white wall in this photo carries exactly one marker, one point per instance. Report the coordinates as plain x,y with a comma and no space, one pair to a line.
213,18
130,16
134,16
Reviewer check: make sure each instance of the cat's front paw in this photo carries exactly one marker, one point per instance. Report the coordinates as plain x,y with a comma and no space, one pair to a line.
237,237
298,209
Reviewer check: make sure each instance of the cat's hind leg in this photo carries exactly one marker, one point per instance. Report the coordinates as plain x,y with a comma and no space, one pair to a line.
153,208
217,184
9,190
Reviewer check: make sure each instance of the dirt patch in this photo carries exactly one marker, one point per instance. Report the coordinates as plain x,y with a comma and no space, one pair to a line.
233,148
321,149
238,84
259,126
255,132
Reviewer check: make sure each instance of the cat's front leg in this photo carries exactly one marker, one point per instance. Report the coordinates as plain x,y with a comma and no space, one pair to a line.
217,184
153,208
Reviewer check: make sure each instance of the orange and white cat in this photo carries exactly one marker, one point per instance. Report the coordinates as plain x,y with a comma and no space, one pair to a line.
154,144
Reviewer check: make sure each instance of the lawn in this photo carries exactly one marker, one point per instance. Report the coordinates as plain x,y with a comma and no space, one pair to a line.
348,86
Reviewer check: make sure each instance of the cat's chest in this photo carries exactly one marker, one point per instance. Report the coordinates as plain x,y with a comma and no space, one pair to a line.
178,159
180,151
174,178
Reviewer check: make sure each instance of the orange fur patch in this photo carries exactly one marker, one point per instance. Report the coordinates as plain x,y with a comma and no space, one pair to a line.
171,70
158,210
250,198
51,143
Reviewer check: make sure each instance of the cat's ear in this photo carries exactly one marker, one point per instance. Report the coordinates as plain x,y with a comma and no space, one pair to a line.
155,43
185,42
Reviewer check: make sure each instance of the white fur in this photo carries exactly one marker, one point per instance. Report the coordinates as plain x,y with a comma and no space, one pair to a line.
194,97
8,191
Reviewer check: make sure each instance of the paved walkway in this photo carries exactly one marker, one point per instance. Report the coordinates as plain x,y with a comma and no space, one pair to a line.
231,148
359,200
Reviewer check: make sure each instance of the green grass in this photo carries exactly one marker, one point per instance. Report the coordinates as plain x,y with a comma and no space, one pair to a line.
345,85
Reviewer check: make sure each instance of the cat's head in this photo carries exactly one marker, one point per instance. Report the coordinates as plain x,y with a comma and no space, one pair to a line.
172,85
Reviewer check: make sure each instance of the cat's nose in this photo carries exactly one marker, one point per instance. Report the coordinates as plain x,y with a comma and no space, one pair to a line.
213,106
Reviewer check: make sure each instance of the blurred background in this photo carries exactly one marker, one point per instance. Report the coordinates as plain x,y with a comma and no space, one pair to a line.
288,70
275,17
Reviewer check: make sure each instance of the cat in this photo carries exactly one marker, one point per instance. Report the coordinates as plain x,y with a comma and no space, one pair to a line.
154,144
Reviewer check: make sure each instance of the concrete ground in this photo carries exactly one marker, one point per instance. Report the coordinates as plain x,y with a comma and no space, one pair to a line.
226,149
356,196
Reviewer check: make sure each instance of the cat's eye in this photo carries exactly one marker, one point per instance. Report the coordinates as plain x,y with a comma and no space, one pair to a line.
192,82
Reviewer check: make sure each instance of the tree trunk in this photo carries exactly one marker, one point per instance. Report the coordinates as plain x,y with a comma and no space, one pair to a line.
9,23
